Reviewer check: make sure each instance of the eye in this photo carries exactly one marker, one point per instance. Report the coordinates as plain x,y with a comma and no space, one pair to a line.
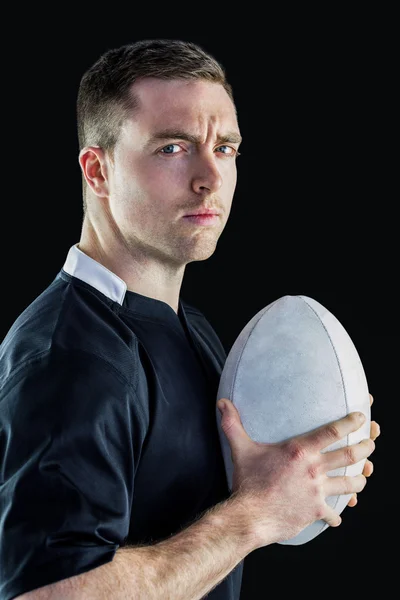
229,151
169,149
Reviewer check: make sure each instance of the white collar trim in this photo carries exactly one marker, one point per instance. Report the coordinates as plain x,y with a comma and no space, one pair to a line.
80,265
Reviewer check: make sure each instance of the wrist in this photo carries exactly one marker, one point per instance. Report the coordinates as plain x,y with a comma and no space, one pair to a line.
234,516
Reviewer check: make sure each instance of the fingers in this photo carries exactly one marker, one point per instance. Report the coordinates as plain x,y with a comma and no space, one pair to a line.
324,436
349,455
336,486
368,468
331,517
353,500
375,430
367,472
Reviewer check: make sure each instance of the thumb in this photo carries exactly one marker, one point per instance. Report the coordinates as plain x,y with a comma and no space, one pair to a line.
232,425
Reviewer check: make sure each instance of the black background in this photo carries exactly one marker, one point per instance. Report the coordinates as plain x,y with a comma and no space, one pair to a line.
314,213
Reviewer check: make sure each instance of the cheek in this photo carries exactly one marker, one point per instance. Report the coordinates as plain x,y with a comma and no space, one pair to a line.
229,177
158,172
234,176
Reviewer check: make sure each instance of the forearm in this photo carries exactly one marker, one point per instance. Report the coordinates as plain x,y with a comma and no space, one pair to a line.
186,566
190,564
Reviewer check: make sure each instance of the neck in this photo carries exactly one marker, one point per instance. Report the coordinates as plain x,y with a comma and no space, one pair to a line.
143,271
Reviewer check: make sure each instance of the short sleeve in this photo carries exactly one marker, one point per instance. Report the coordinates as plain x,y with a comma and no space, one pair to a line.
70,437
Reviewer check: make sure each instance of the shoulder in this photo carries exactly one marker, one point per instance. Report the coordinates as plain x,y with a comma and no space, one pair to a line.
198,319
67,321
206,330
64,389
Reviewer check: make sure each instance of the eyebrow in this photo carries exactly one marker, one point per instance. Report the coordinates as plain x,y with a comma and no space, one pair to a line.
166,134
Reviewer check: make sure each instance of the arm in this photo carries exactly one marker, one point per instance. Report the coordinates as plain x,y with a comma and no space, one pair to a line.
186,566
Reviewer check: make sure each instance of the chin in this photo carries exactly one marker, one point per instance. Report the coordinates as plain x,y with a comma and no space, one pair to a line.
203,255
195,251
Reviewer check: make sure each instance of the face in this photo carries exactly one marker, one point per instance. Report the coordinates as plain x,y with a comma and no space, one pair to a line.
176,156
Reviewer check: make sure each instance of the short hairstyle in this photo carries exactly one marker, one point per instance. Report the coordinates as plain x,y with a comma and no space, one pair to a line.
104,96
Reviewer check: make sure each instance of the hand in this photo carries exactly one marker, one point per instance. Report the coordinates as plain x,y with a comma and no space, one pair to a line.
281,488
368,466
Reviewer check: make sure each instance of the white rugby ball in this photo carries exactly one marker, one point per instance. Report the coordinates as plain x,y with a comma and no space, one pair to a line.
293,368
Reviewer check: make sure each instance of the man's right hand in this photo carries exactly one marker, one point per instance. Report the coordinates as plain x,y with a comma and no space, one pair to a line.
283,486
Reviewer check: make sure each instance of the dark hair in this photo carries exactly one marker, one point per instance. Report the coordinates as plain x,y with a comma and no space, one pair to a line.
104,96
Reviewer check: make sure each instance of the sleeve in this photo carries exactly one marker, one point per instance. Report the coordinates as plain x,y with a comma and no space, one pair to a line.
70,438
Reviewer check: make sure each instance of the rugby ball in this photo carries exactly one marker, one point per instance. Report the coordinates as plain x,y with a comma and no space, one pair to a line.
293,368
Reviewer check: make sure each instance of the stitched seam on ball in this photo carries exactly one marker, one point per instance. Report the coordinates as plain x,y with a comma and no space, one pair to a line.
244,346
341,375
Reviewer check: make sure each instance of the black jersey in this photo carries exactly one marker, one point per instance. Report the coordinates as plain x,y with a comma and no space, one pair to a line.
108,433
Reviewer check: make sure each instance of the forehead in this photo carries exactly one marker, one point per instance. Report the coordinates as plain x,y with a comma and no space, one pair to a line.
180,103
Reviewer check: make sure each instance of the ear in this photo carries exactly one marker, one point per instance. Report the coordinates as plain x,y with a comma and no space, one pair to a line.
93,163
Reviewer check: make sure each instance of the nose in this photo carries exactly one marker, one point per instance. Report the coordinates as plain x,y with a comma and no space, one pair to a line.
207,177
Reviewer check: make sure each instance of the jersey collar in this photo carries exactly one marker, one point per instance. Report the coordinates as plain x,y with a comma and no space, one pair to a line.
80,265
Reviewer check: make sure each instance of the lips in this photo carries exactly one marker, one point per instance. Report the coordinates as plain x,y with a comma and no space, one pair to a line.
202,219
203,211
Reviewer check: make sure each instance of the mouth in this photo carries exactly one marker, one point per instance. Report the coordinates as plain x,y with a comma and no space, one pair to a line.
202,219
205,213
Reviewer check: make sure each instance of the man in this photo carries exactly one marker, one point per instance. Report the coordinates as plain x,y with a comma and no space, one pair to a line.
113,483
